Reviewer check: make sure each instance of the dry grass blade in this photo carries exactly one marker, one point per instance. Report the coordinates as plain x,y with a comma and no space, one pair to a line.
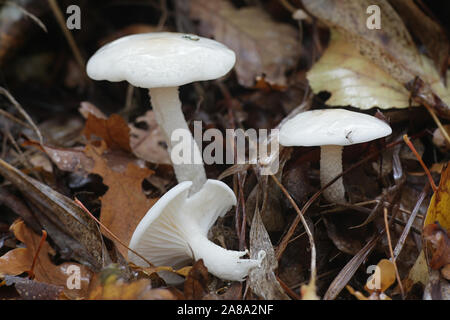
73,45
411,219
350,268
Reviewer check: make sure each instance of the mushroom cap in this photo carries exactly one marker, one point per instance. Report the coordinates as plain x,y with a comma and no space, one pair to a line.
332,127
164,234
161,59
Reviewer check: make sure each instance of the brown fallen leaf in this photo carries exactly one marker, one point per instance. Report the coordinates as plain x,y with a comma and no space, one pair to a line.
124,204
196,284
34,290
109,285
114,131
19,260
440,246
266,47
149,144
66,159
427,30
72,230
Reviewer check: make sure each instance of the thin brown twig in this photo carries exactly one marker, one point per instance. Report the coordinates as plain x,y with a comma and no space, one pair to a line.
21,110
288,6
305,225
388,234
71,41
438,122
419,158
111,233
33,264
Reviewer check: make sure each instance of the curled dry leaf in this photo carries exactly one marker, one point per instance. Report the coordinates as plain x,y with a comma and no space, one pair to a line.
125,203
196,284
266,47
19,260
440,246
114,131
263,281
382,278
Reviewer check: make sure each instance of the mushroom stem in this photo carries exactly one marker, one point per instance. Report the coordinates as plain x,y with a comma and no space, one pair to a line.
223,263
167,107
330,167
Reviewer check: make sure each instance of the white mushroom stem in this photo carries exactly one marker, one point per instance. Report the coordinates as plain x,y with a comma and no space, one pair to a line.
169,115
330,167
221,262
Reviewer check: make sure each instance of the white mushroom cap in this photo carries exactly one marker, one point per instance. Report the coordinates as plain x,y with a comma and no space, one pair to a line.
174,231
332,127
161,59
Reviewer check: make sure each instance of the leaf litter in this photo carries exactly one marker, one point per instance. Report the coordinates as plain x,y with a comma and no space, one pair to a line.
118,164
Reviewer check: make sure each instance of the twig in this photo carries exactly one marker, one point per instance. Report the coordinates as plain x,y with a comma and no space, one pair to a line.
288,6
307,230
41,243
73,45
28,14
399,280
17,105
110,232
419,158
438,122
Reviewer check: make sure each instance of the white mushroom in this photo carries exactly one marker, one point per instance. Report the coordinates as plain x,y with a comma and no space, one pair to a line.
332,129
161,62
174,232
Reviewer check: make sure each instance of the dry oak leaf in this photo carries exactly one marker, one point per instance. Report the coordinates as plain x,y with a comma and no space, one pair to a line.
19,260
262,45
124,204
114,131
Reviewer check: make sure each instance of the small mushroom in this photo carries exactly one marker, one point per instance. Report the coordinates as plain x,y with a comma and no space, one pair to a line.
174,232
161,62
332,129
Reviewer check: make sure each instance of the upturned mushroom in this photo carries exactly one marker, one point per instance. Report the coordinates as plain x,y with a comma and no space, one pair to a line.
174,232
161,62
332,129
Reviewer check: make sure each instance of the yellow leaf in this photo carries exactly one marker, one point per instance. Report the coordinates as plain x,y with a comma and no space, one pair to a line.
439,208
354,80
